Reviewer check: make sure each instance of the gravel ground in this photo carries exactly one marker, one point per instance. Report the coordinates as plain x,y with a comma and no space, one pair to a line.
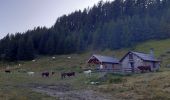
65,92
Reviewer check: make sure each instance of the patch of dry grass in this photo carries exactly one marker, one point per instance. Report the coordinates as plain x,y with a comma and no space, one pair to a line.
148,86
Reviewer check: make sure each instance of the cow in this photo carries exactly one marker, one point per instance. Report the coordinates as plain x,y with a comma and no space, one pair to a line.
144,68
45,74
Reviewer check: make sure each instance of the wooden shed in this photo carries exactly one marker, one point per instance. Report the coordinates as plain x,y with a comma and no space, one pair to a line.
139,62
104,63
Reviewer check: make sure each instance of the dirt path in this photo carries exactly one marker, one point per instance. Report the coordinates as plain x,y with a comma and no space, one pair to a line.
65,92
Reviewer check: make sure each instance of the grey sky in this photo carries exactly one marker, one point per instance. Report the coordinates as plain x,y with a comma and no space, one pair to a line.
21,15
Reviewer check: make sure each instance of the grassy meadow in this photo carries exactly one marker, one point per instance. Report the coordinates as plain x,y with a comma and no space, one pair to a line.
18,85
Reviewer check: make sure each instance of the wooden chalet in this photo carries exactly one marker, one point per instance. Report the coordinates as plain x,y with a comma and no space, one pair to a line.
104,63
139,62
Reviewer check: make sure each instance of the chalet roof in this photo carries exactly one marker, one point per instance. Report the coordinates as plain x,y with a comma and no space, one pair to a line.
105,59
143,56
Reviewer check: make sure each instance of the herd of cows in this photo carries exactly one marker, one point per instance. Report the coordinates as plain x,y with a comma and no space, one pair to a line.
63,75
47,74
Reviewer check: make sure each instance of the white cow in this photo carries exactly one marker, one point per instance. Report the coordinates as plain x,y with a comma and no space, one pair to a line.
33,60
69,57
94,83
19,65
88,72
30,73
53,58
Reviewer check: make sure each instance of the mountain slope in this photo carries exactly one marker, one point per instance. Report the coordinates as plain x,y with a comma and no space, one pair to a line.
78,61
107,25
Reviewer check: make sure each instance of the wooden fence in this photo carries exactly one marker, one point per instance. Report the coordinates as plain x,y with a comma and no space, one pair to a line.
124,70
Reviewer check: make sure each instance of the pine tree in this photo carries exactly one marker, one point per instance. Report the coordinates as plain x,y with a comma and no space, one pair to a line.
29,49
21,49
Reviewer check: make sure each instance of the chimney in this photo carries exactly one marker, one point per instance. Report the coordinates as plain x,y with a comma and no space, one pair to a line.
152,52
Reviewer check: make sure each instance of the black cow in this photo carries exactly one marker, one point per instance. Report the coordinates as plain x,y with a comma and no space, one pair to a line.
7,71
45,74
69,74
144,68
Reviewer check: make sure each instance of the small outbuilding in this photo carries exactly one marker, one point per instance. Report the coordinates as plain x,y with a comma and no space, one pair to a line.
104,63
139,62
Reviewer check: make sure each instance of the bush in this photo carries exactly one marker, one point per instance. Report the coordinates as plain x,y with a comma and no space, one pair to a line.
115,80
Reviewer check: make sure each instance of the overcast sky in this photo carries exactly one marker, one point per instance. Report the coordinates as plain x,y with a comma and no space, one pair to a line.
21,15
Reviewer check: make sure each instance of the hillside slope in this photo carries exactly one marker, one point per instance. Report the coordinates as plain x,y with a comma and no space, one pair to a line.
161,50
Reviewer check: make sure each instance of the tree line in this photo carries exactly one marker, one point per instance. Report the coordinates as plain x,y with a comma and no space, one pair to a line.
107,25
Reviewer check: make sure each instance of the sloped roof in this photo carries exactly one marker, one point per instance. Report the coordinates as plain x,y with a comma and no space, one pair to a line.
105,59
143,56
146,57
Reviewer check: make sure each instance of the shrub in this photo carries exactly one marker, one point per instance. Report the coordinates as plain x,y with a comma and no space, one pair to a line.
115,80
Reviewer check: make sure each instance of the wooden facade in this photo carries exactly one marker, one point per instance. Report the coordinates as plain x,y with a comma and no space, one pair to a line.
132,62
104,63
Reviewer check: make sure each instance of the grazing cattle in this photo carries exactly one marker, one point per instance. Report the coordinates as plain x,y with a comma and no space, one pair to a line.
94,83
144,68
7,71
19,65
30,73
45,74
69,74
52,73
88,72
53,58
69,57
33,60
63,75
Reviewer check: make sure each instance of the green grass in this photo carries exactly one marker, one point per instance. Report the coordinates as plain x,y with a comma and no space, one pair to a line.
12,88
160,47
